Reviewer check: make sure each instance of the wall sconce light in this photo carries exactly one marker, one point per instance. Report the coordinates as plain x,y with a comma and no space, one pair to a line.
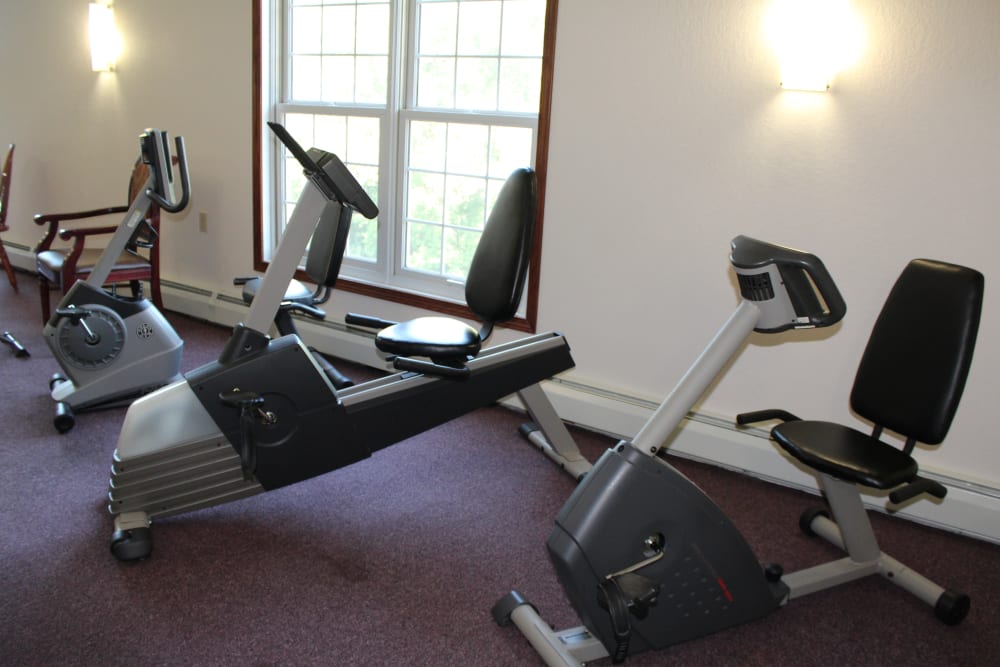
105,42
814,39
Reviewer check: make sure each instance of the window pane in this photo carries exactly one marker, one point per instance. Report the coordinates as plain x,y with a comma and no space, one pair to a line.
362,243
338,78
436,83
476,159
423,247
306,82
424,205
523,28
295,180
465,203
510,149
425,200
371,79
306,29
520,82
493,188
438,28
476,85
428,143
362,141
459,247
338,29
330,134
468,148
340,52
479,28
373,29
300,125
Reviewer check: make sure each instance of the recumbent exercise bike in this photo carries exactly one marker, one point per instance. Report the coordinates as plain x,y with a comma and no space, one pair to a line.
266,414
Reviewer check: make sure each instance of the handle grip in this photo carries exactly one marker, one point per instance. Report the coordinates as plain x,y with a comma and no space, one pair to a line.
812,266
805,278
745,418
181,204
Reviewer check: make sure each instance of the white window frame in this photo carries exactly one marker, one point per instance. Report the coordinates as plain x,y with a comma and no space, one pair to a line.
386,276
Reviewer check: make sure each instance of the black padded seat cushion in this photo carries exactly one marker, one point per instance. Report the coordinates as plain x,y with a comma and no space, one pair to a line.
296,291
452,339
845,453
49,263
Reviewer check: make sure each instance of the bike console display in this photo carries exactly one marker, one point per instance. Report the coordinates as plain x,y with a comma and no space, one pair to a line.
328,173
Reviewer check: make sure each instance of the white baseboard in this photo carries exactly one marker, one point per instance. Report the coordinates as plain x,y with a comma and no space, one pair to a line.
971,508
21,256
329,337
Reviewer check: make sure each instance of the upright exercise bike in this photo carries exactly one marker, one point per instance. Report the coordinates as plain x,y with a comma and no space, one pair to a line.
647,560
266,414
112,348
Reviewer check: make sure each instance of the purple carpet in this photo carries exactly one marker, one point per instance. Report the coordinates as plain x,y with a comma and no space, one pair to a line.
396,560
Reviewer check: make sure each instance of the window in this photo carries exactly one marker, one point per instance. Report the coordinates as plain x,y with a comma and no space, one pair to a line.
430,103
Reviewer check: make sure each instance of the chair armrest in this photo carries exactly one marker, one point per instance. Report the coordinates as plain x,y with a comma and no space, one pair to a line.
79,238
53,220
83,233
46,218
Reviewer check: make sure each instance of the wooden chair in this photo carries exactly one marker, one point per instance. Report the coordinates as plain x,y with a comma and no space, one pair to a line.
59,268
8,166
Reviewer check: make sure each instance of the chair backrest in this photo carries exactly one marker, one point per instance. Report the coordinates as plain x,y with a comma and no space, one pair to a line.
8,166
914,368
499,266
140,174
143,234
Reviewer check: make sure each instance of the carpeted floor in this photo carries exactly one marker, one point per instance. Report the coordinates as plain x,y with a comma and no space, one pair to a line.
396,560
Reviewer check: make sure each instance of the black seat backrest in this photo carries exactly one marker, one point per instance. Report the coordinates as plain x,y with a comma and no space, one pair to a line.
329,241
499,266
914,368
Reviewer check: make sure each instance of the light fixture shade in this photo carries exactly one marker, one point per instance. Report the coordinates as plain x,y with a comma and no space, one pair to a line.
813,39
808,77
105,43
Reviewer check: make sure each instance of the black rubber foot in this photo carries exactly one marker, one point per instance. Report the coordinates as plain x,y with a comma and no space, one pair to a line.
506,605
806,519
64,419
132,544
952,607
56,379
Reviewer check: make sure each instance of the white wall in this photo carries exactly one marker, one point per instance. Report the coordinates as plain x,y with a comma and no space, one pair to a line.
669,137
672,111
